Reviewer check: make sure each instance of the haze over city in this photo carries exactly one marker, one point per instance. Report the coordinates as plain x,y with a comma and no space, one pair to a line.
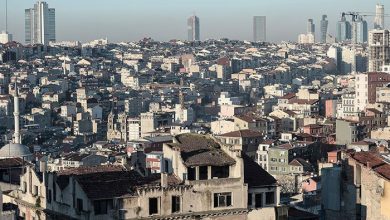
131,20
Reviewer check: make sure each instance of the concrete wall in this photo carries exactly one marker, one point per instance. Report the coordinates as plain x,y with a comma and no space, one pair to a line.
198,198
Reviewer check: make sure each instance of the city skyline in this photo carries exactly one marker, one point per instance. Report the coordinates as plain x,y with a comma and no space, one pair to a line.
136,16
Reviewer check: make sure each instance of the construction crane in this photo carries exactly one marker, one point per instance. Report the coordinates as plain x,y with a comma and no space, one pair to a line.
355,15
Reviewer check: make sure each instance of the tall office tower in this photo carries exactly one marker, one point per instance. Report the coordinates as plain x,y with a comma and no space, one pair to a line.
378,50
259,28
343,29
193,28
379,22
310,27
40,25
324,28
359,30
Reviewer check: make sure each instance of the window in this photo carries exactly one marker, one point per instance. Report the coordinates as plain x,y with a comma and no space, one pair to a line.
102,206
24,186
259,200
249,199
191,173
166,166
269,198
48,196
220,172
222,199
203,173
153,206
175,204
79,205
35,190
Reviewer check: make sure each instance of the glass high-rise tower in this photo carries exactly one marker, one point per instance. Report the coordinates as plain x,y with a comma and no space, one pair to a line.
40,27
359,30
193,28
324,28
311,28
343,29
259,28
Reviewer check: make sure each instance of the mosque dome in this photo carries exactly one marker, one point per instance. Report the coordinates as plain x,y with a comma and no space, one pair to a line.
14,150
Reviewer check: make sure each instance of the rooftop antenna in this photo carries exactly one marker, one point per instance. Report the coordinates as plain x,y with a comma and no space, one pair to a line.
6,16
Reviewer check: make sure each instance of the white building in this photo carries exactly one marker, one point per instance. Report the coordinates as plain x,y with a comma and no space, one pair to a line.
5,37
379,49
184,115
306,38
133,129
361,91
379,22
226,99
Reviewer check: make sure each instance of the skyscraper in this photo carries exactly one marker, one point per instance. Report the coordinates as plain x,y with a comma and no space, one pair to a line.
193,28
310,26
259,28
343,29
40,25
379,22
324,28
359,30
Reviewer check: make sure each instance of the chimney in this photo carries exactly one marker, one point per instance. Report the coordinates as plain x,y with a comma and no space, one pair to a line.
164,179
42,166
369,165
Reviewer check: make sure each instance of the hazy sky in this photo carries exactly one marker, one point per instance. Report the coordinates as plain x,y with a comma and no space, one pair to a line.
130,20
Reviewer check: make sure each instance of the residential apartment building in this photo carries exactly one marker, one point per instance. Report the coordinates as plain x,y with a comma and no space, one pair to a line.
195,186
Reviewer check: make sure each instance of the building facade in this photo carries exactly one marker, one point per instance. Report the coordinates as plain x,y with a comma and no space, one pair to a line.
40,27
379,22
193,28
259,28
324,28
378,49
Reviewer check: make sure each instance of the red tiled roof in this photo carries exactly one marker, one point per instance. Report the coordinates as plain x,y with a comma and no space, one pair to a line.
200,150
373,110
288,96
249,118
269,141
242,133
302,101
109,182
289,112
11,162
91,169
367,157
313,126
384,171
